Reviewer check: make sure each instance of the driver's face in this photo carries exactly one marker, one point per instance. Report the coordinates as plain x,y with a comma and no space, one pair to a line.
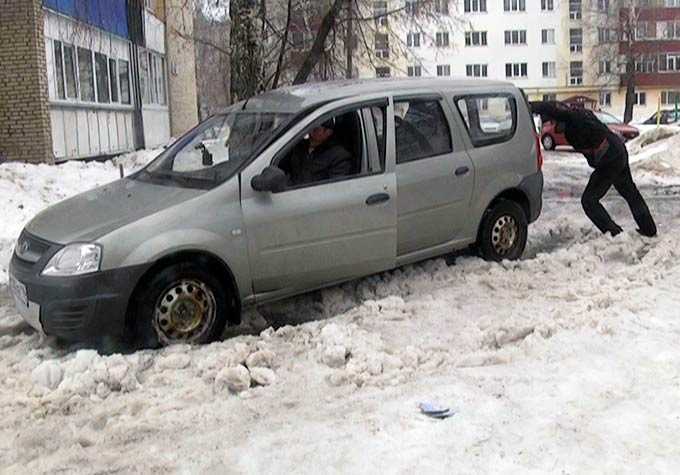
319,135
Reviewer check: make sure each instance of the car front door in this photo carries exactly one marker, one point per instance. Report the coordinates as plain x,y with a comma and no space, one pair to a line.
314,234
435,176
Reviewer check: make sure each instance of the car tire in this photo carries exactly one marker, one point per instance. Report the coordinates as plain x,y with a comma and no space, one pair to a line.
503,232
182,303
548,142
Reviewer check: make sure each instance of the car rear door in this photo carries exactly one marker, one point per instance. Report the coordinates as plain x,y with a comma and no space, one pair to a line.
435,176
312,235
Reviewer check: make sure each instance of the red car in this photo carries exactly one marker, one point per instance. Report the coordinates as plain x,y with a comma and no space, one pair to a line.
552,134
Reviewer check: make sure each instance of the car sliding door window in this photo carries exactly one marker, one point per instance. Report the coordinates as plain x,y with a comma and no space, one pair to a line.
422,130
490,119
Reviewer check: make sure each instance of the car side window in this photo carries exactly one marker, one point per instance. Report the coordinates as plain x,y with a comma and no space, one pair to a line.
489,118
422,130
332,150
379,115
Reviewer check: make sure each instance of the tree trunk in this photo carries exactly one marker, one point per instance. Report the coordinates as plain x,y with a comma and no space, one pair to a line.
349,39
284,45
314,55
246,60
630,93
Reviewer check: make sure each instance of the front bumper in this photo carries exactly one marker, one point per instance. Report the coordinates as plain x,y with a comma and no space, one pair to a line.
79,308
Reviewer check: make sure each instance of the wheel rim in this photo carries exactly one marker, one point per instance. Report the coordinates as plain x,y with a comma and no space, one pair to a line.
504,234
547,142
184,312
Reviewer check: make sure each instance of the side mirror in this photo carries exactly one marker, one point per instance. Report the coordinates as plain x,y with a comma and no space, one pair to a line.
271,179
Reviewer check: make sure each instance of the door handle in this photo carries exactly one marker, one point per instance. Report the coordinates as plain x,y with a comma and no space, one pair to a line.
377,198
462,171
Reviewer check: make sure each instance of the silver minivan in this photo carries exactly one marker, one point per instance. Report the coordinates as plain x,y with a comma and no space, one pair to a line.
290,191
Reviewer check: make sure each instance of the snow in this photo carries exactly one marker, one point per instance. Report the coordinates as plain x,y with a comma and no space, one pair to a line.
566,361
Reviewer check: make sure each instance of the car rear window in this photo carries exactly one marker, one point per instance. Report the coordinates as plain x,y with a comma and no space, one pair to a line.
422,130
489,118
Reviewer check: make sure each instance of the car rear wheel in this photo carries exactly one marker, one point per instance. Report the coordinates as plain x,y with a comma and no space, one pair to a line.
180,304
503,232
548,142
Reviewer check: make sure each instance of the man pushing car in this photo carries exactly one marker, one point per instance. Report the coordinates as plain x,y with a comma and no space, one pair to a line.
607,154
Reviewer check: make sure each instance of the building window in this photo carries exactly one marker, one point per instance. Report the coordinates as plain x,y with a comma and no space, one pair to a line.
412,7
605,67
70,72
670,97
414,71
548,36
575,9
646,64
514,5
380,13
474,6
672,3
297,39
443,70
382,45
413,40
515,37
669,62
575,40
124,81
475,38
603,5
113,79
547,5
441,6
640,98
549,69
59,70
383,72
86,75
442,39
604,35
671,30
477,70
576,73
152,78
606,99
516,70
101,67
549,97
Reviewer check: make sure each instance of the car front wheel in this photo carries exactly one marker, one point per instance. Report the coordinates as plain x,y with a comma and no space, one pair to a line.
180,304
503,232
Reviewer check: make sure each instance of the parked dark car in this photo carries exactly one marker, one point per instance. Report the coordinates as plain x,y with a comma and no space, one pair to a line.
552,134
668,117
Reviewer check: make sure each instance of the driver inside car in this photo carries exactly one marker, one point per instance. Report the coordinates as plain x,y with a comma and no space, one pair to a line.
320,157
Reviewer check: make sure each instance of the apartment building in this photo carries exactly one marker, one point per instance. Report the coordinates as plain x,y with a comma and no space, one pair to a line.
553,49
90,78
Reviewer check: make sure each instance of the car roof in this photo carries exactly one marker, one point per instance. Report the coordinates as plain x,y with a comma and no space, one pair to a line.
296,98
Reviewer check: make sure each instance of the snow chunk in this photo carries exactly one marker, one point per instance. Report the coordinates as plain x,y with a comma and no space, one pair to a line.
47,374
334,356
236,379
262,376
261,358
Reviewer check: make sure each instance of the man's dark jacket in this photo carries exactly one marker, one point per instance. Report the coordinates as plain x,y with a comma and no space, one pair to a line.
327,161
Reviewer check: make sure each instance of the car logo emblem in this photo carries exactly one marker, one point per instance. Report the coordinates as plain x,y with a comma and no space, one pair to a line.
24,247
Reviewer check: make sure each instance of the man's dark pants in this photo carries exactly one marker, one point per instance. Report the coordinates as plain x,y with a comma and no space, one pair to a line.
613,170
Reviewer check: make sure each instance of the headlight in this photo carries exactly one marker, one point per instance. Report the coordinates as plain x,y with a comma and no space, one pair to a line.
74,259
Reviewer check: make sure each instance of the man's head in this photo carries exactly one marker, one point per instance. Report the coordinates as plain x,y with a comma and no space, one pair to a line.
320,134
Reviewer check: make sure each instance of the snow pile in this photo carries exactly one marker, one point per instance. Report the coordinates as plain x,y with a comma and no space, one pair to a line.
662,159
28,189
649,137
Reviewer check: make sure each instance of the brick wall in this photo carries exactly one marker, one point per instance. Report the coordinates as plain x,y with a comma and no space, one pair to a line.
24,116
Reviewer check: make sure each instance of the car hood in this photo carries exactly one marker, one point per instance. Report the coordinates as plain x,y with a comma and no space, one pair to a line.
90,215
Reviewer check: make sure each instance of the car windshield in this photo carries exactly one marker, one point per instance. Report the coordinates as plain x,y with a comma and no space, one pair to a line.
607,118
213,151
